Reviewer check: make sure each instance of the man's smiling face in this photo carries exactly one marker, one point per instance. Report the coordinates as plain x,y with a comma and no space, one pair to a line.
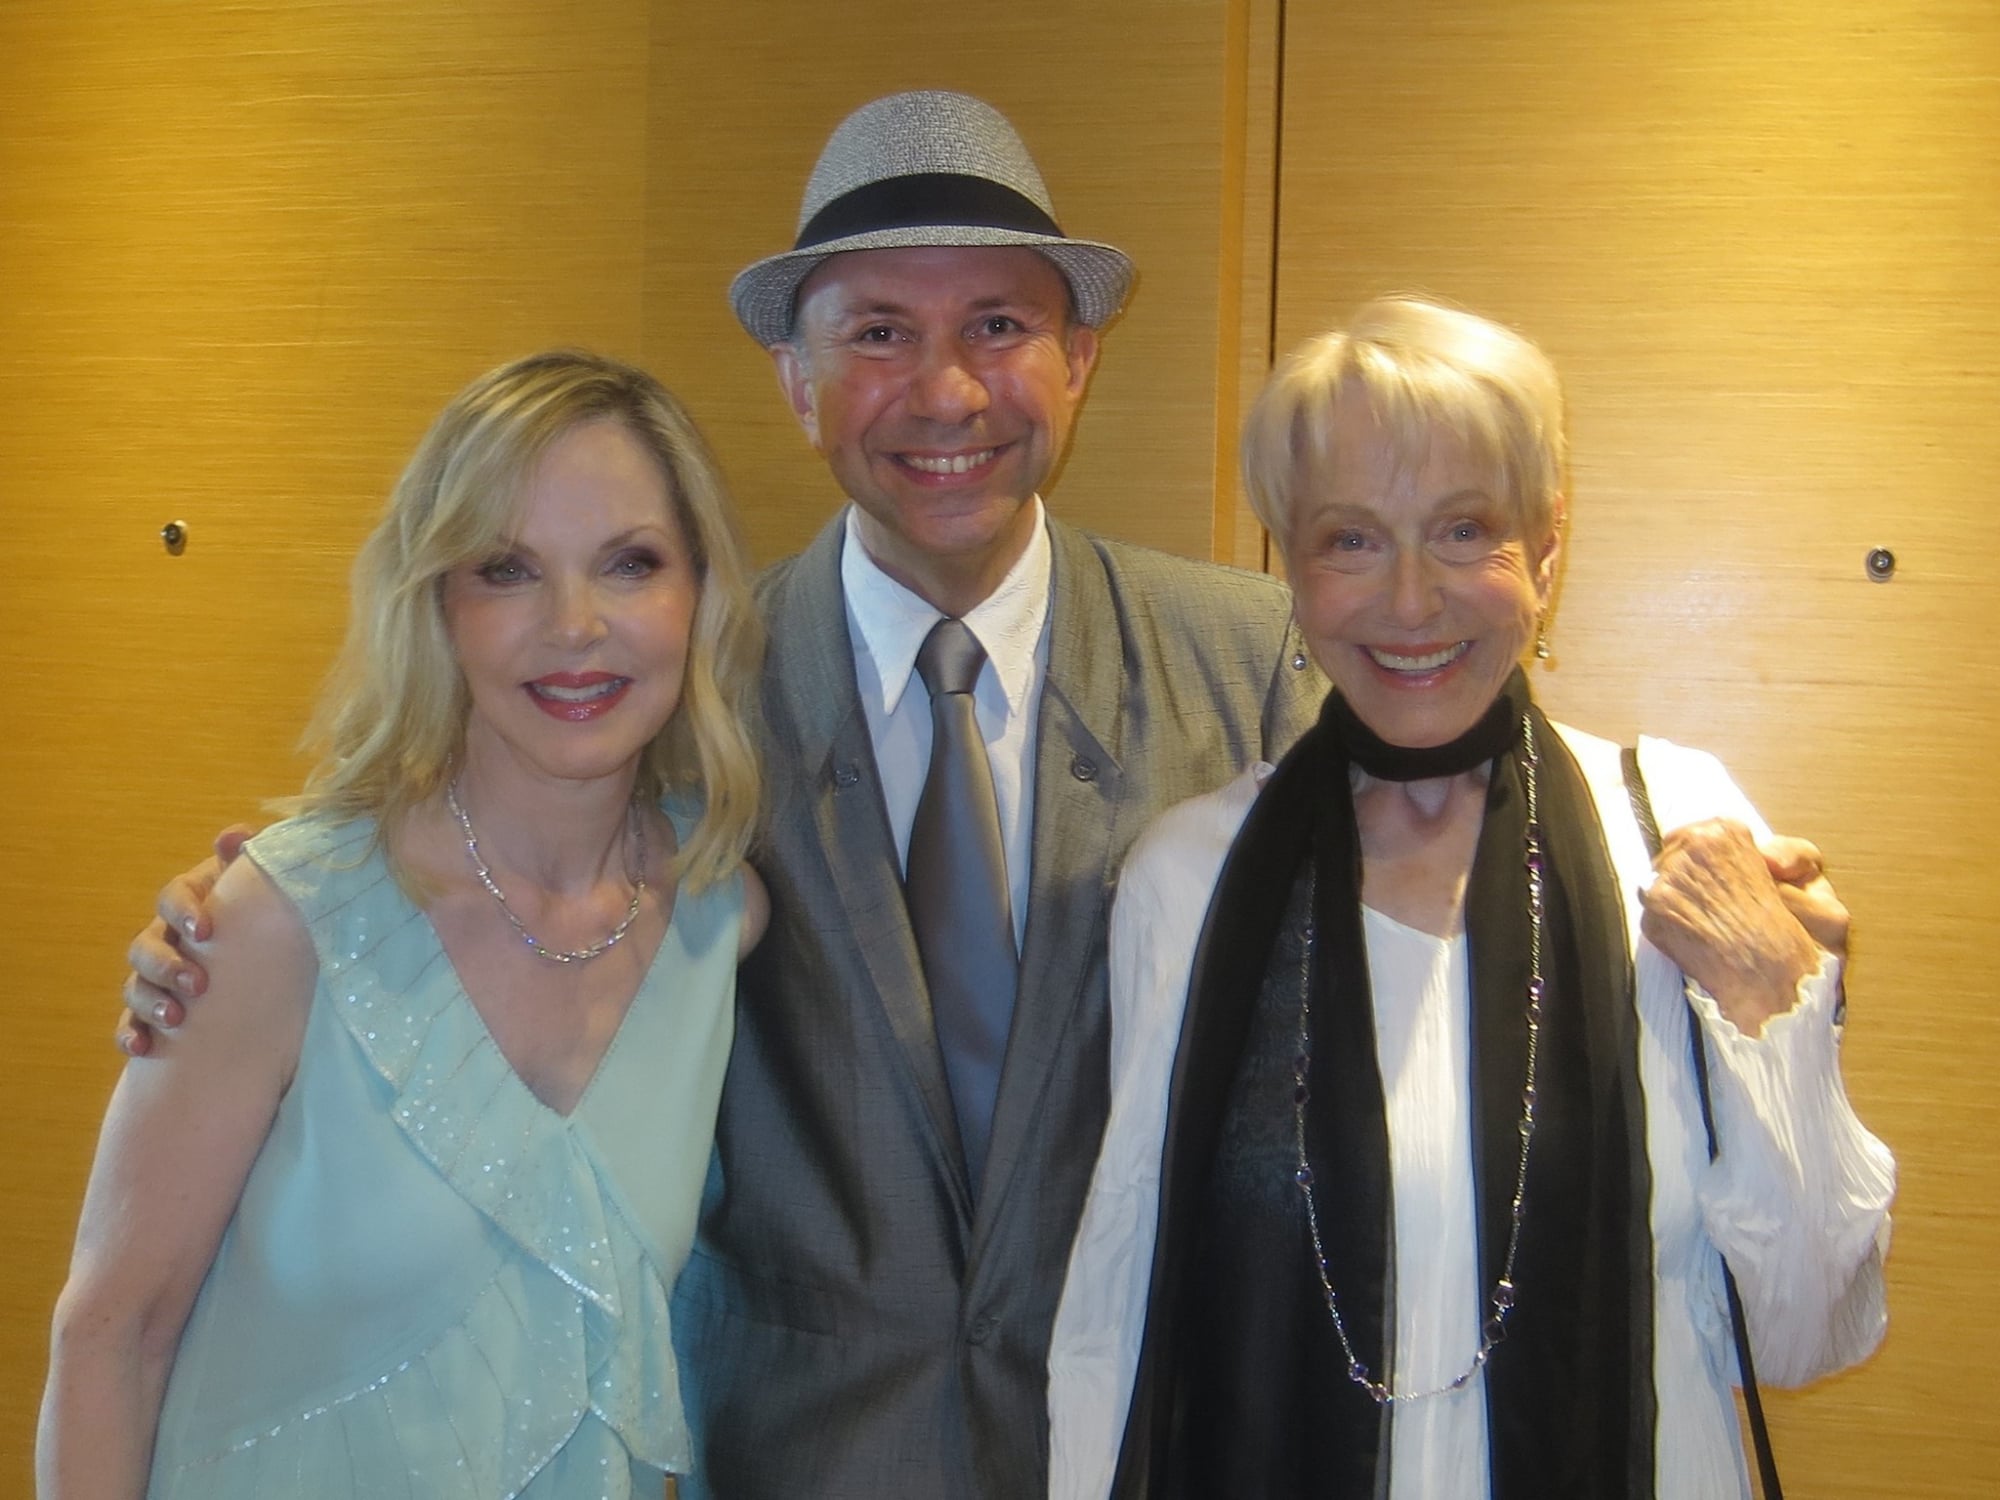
939,384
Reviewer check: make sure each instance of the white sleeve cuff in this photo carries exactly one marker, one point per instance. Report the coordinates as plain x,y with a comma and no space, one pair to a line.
1797,1198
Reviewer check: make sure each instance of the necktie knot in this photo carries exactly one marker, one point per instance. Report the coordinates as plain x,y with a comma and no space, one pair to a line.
950,658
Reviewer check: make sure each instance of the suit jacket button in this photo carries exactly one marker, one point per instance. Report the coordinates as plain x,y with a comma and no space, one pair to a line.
847,775
982,1329
1083,769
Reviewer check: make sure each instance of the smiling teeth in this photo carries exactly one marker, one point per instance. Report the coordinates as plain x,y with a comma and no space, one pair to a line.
1429,661
958,463
578,694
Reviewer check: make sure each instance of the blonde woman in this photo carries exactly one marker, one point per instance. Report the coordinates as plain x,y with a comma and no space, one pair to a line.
1435,1217
400,1209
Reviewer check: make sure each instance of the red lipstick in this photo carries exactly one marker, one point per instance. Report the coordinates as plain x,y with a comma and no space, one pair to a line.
577,697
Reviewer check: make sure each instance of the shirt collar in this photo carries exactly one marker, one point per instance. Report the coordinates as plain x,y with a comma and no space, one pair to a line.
892,621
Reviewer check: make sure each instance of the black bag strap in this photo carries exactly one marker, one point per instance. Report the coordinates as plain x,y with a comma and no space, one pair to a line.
1760,1435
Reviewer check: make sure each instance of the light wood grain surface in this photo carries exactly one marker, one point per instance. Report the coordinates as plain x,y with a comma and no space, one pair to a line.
249,250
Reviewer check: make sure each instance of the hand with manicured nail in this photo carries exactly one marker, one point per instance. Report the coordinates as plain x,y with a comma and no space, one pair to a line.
164,974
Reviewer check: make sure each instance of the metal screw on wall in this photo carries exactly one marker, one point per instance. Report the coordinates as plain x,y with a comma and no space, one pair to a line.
1880,564
174,537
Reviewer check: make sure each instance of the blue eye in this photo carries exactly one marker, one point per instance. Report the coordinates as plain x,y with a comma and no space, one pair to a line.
503,570
1351,549
1468,539
638,563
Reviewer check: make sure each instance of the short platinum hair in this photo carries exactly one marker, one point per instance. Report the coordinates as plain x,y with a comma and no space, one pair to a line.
1421,369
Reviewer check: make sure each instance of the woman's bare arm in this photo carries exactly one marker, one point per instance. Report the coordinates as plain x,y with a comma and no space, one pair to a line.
184,1127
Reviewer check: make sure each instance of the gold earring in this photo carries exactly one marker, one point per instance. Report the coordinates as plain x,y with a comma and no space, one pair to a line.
1542,652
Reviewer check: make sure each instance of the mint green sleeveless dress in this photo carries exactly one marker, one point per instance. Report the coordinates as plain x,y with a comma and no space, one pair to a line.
434,1286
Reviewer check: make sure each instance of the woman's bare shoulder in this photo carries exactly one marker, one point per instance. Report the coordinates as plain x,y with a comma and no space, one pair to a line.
260,959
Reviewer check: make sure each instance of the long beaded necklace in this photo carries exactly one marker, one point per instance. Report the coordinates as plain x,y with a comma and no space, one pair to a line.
1494,1328
554,955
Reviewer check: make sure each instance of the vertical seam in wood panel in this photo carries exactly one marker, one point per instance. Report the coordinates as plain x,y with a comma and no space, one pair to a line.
1277,209
1246,305
1232,206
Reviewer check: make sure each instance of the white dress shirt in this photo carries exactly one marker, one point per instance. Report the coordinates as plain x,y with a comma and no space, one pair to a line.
887,623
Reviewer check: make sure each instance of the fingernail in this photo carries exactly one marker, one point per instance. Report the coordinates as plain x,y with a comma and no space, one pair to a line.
187,926
184,982
160,1013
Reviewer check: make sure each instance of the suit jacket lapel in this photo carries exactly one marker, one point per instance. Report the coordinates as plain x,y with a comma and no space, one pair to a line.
813,709
1078,785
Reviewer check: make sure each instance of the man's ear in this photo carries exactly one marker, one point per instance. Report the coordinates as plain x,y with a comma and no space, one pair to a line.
1080,348
797,385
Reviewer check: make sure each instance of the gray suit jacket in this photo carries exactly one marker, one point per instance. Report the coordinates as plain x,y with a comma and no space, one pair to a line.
851,1323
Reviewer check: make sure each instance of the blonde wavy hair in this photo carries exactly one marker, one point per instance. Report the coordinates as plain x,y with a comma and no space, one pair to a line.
390,730
1420,368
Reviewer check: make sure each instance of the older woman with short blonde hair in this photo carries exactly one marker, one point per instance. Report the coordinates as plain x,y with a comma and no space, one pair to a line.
1435,1216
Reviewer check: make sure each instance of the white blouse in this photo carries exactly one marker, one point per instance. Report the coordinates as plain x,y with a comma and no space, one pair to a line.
1798,1198
1423,1022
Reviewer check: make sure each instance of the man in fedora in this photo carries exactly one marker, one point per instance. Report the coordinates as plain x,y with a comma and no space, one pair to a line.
919,1078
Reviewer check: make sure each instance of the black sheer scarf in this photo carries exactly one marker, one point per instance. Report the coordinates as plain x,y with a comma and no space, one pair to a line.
1242,1388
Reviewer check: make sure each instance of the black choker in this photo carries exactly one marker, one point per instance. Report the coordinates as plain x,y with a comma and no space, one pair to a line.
1491,737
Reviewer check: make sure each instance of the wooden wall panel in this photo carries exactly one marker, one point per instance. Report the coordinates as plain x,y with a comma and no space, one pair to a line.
252,247
249,249
1127,107
1759,241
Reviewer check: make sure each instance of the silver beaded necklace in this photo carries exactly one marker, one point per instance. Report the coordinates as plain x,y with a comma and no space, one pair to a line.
554,955
1494,1328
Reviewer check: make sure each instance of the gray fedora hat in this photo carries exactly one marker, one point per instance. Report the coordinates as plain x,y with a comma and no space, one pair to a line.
925,168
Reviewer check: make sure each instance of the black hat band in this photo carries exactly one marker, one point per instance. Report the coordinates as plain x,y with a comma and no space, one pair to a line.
925,200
